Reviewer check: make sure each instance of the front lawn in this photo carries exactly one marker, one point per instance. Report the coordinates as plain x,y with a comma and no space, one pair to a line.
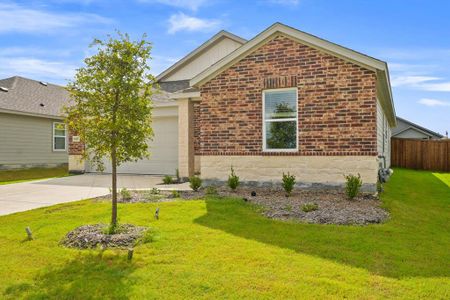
15,176
224,248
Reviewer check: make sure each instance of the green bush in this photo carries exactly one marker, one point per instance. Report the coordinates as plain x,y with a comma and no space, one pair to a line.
352,185
307,207
211,191
167,179
288,183
125,194
176,194
111,228
233,180
195,183
155,191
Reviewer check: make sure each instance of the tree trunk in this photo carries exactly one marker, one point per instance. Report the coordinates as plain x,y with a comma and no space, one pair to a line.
114,187
114,163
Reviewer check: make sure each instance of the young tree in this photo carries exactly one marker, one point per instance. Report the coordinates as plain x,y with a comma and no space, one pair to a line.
111,104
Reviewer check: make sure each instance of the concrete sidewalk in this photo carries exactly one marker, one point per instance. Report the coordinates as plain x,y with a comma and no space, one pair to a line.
24,196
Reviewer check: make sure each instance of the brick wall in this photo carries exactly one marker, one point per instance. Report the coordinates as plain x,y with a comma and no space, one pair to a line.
336,103
75,148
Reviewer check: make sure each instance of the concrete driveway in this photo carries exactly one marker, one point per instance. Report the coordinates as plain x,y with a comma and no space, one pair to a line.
29,195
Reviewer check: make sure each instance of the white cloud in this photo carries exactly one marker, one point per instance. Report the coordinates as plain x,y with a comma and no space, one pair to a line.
40,69
189,4
411,80
436,87
425,83
433,102
15,18
182,22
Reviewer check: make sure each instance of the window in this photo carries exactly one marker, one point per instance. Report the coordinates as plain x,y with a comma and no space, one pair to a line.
280,117
59,137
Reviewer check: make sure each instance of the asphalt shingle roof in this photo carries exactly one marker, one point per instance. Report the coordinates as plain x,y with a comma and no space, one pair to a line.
173,86
31,96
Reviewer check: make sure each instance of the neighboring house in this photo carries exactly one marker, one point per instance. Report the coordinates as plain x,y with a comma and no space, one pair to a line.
32,133
408,130
284,101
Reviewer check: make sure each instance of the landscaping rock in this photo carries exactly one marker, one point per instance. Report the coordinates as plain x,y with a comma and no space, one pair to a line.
333,207
92,236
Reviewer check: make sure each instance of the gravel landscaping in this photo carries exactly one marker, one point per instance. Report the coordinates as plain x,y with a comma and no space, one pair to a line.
92,236
310,206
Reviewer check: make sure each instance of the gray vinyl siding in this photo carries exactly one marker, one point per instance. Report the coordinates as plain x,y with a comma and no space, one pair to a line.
26,141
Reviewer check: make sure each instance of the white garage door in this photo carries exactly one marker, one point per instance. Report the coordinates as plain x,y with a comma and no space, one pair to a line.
164,151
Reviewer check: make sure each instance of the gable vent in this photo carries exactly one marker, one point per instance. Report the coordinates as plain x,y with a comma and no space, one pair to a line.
3,89
43,83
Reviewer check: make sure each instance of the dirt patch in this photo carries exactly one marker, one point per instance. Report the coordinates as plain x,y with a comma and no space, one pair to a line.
92,236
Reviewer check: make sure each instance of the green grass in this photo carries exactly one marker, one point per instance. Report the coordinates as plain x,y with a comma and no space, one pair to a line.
22,175
223,248
444,177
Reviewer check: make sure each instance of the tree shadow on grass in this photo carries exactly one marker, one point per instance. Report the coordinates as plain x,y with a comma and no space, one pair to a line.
412,244
85,277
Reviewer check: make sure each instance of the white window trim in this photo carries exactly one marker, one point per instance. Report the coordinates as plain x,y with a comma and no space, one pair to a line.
279,120
53,137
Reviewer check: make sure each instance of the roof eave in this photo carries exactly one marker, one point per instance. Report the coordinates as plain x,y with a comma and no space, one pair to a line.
24,113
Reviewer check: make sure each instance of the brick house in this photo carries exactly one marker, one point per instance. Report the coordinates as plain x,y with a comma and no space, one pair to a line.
284,101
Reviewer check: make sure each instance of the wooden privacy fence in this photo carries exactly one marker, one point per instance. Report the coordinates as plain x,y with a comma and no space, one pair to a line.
421,154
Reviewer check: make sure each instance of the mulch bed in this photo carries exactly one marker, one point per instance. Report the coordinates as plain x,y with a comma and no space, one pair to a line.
93,236
333,207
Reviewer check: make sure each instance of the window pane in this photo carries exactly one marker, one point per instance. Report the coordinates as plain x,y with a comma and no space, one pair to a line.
60,143
281,135
280,104
59,129
60,132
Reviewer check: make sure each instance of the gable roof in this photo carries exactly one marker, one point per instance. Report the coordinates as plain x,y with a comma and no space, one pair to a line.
31,97
417,128
199,50
380,67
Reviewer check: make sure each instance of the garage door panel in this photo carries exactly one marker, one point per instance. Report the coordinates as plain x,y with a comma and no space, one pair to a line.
163,151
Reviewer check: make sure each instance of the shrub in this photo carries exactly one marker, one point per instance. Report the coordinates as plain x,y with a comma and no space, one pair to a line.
167,179
233,180
111,228
352,185
307,207
289,208
125,194
288,183
195,183
176,194
155,191
211,191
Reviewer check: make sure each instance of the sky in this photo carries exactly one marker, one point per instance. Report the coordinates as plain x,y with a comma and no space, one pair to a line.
48,40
